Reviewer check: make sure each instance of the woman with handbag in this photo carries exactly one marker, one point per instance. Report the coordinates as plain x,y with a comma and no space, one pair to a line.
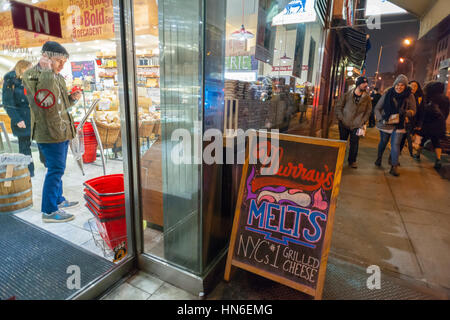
411,123
391,111
433,123
17,108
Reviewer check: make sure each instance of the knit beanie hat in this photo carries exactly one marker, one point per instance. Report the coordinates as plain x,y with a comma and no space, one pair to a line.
360,81
52,49
401,79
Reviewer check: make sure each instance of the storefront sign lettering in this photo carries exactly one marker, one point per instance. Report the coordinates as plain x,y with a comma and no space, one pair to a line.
281,68
36,19
241,63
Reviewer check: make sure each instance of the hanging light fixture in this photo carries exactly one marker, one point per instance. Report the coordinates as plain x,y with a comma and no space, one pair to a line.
242,34
285,57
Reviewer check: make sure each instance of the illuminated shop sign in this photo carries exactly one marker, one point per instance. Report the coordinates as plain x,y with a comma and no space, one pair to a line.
296,11
241,63
378,7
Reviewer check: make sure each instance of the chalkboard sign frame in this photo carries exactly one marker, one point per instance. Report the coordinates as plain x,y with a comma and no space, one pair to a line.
232,262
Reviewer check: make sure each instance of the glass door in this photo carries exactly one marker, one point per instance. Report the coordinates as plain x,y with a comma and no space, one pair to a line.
168,94
71,238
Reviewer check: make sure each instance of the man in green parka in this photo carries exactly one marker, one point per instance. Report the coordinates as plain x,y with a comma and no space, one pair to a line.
52,125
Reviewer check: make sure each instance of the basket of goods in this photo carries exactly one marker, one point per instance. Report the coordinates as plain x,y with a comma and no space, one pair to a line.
108,125
148,122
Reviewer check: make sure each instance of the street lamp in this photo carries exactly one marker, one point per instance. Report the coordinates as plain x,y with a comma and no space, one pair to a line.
406,42
403,60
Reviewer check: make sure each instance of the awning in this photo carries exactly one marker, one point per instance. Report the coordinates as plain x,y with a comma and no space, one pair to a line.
417,7
430,12
353,44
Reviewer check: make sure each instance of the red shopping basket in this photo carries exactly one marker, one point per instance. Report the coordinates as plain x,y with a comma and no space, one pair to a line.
104,212
112,230
105,198
106,186
105,201
106,190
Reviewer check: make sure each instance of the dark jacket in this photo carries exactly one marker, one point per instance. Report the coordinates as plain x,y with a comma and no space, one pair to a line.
417,120
408,108
16,104
54,124
435,111
351,114
375,98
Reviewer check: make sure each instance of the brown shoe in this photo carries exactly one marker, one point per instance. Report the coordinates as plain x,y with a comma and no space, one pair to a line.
394,171
354,165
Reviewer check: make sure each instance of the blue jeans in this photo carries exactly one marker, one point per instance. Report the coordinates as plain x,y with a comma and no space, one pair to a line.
55,159
396,139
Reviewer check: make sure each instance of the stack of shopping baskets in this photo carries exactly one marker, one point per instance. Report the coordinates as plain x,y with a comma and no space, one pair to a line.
105,199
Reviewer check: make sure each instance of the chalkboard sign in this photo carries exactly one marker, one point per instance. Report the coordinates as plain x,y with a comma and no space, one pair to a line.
283,221
83,69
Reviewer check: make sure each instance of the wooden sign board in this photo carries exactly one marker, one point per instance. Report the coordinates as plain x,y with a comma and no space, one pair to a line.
283,221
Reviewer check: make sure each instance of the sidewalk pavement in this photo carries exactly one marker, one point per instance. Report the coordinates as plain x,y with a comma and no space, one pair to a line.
401,224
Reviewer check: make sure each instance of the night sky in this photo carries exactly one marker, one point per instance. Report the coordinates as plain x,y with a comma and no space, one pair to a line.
391,37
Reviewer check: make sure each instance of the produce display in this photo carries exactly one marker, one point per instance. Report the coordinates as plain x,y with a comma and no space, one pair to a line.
108,100
150,116
110,118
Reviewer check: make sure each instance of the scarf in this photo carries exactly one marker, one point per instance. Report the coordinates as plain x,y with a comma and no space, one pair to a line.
391,107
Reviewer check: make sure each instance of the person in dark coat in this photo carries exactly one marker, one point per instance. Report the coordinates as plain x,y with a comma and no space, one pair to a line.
16,105
352,112
375,97
433,122
397,104
411,122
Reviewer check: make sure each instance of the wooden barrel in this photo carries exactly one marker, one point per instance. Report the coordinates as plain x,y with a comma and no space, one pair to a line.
18,196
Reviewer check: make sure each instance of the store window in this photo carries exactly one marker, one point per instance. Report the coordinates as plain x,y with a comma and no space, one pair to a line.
181,195
273,62
95,241
169,55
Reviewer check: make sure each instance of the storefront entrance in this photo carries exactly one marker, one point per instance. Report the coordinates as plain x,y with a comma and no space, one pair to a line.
157,74
82,257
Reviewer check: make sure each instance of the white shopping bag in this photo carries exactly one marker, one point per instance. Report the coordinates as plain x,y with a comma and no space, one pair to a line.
361,131
77,144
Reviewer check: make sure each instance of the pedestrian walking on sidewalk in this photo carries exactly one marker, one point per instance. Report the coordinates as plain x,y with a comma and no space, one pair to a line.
433,122
391,112
353,111
52,125
375,96
411,123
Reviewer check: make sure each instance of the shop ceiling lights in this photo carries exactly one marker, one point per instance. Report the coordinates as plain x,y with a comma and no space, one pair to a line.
242,34
285,57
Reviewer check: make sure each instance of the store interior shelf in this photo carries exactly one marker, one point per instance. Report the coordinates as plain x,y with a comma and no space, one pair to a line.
144,66
147,55
106,57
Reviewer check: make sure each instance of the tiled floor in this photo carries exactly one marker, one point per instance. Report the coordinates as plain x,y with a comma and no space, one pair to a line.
401,224
143,286
78,230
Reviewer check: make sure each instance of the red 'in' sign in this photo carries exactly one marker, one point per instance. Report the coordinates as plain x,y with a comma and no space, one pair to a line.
36,19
